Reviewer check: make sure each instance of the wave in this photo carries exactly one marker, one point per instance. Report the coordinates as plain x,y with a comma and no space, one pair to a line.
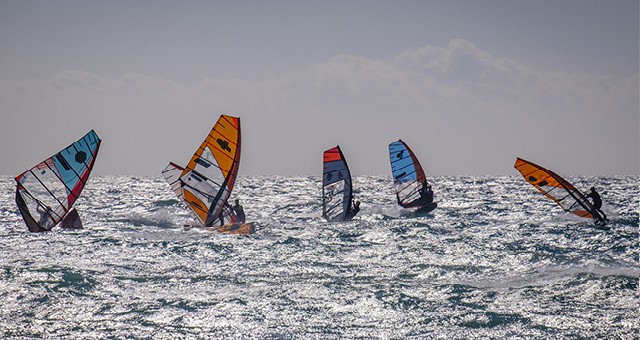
161,218
551,274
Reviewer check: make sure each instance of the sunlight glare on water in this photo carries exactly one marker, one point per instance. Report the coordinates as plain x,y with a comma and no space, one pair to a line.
496,259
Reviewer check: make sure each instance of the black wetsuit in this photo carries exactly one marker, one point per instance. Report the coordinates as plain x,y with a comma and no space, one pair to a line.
597,202
240,213
352,212
427,196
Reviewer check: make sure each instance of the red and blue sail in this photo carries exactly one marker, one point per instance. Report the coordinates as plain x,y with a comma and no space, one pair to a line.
337,192
46,192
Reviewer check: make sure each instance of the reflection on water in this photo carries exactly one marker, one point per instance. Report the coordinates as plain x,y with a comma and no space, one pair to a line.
495,259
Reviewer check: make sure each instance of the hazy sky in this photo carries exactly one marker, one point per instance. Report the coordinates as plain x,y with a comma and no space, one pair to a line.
469,85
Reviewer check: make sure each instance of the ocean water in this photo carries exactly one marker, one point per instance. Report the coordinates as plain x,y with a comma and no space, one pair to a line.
495,260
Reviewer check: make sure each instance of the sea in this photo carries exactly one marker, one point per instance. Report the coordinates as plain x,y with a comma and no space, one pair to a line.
495,260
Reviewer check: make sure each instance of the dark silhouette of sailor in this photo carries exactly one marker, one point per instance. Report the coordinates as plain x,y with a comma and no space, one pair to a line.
597,201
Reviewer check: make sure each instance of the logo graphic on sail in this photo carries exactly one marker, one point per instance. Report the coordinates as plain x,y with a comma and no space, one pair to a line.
557,189
45,194
409,180
205,184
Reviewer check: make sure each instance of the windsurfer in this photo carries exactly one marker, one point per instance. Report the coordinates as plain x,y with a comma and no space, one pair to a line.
45,214
426,194
239,210
353,211
597,201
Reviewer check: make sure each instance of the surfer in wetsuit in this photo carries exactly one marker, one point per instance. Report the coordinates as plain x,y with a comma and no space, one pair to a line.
426,194
353,211
597,202
239,210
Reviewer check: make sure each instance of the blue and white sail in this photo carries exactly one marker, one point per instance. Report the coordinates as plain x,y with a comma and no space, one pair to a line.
409,180
46,193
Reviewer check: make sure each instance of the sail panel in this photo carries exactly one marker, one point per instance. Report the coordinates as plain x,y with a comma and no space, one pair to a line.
556,188
197,205
336,185
172,175
49,189
32,225
75,163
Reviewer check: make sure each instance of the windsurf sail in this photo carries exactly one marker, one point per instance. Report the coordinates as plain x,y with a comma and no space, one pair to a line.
172,175
409,179
557,189
46,192
336,186
205,184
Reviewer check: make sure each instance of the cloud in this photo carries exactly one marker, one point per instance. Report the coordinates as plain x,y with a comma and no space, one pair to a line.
464,110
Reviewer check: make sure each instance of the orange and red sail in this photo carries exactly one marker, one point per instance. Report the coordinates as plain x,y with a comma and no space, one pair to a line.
557,189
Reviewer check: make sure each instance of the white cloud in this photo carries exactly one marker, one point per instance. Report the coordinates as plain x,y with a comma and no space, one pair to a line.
463,110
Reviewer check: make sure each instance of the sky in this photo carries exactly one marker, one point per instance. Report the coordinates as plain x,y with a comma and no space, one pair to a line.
469,85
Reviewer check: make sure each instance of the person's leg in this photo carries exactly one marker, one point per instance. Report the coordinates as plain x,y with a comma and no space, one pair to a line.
602,213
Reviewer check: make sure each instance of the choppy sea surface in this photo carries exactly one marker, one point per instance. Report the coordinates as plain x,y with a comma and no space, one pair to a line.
496,259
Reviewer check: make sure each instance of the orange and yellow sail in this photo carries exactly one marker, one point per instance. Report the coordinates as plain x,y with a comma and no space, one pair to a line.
556,188
205,184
